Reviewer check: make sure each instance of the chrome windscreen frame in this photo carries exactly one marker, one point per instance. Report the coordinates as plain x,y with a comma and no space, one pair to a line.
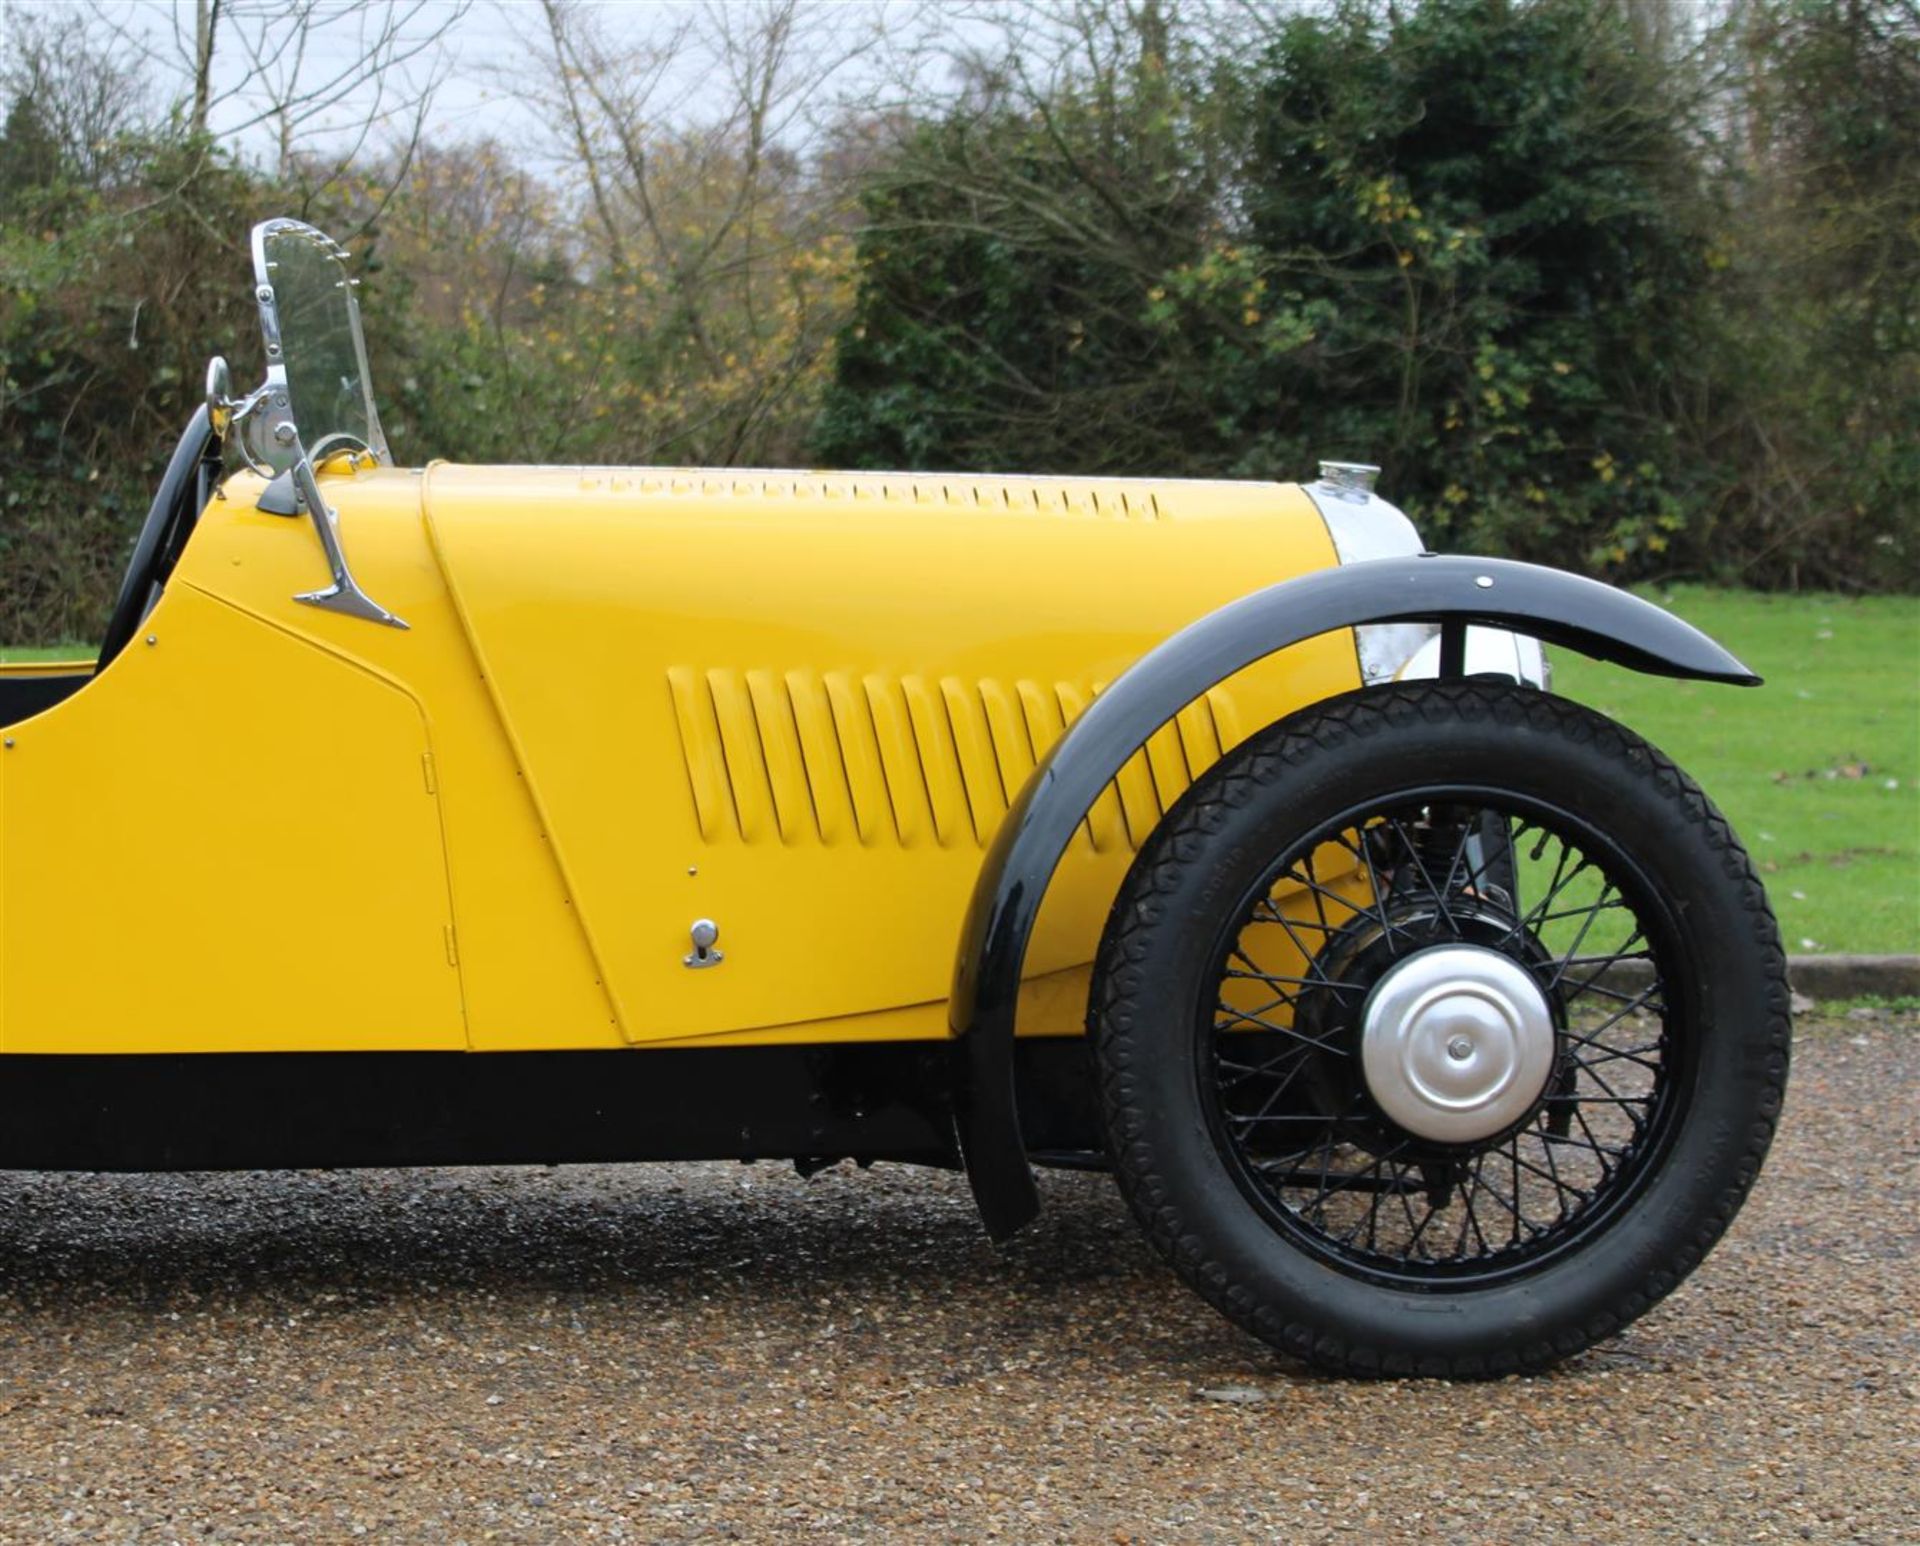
275,436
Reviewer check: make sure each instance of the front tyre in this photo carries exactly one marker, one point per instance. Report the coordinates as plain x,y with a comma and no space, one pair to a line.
1442,1029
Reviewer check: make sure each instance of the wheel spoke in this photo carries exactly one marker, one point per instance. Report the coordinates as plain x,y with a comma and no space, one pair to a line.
1466,873
1277,980
1439,898
1549,1174
1362,850
1273,1096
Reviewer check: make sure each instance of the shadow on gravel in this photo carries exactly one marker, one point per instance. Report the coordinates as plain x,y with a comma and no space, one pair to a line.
850,1266
758,1232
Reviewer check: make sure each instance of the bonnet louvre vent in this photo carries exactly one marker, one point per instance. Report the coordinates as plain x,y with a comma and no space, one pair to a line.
837,757
1039,496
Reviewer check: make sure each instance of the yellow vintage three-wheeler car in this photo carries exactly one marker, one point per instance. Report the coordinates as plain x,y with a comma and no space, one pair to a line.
1209,833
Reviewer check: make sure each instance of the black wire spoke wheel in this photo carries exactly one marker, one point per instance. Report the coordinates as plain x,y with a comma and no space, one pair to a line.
1517,1074
1442,1029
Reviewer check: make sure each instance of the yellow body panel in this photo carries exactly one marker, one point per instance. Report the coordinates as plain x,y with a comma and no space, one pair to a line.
796,704
799,704
197,858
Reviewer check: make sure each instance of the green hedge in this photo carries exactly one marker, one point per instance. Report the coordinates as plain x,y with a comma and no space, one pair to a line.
1495,247
1649,309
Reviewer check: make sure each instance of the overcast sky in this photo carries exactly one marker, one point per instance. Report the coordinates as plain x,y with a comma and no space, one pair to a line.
479,56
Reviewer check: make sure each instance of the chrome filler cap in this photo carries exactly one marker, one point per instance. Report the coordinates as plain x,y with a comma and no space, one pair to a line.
1349,477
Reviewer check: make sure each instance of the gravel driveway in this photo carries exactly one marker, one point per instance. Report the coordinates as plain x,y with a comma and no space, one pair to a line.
695,1351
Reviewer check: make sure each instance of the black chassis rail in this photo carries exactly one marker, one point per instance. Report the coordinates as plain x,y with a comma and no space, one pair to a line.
341,1110
1548,604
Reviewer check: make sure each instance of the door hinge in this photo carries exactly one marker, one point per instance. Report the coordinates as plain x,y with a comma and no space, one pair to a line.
453,950
426,768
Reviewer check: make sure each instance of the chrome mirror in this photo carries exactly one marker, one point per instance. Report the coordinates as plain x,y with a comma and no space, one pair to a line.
220,403
228,413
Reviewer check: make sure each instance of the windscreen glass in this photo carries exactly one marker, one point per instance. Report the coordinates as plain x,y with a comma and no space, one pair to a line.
322,351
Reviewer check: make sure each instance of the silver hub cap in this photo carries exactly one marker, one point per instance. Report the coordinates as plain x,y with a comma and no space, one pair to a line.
1457,1043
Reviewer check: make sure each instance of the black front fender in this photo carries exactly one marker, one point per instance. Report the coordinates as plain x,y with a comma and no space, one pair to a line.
1550,605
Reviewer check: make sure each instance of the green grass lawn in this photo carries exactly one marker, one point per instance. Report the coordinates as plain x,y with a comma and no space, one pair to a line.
14,654
1819,770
